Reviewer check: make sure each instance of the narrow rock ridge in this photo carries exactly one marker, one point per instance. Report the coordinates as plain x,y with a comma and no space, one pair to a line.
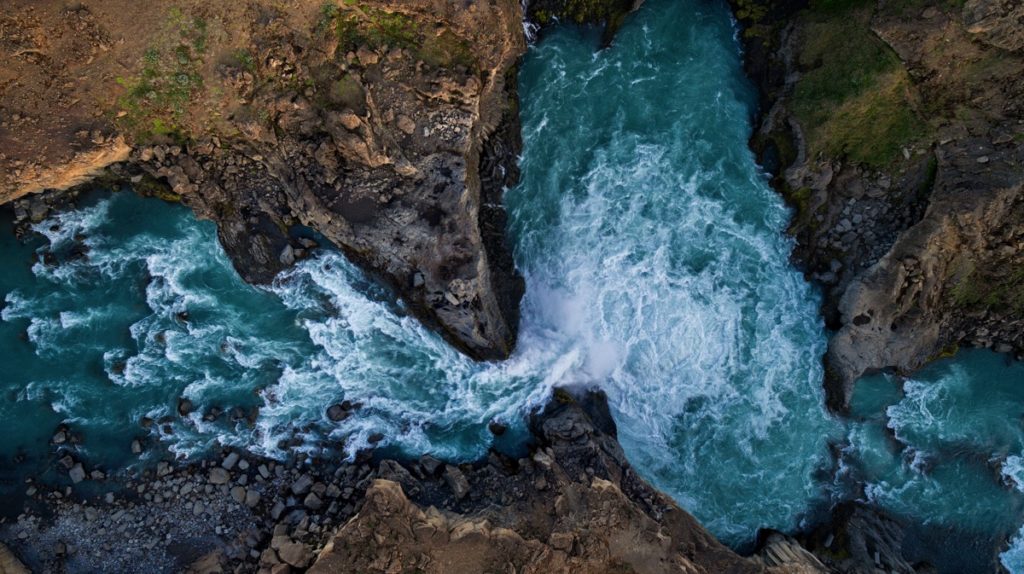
904,173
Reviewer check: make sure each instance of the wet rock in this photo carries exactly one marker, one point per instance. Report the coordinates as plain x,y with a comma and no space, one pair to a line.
287,256
230,460
337,413
497,428
430,464
219,475
185,407
313,502
277,510
860,539
77,473
238,494
136,447
163,468
456,481
302,484
252,498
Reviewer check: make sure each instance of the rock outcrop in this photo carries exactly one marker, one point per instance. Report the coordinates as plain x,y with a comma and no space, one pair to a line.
390,128
997,22
574,505
897,134
9,564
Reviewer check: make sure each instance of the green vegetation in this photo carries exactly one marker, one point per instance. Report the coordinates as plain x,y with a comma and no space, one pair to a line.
581,11
346,93
244,59
155,102
972,290
445,50
355,25
854,99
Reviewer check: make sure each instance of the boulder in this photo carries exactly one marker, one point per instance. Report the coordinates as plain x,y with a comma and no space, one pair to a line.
302,484
219,475
230,460
456,481
295,554
252,498
337,413
77,473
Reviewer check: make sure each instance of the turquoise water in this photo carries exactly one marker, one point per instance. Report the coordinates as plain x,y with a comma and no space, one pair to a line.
656,267
944,449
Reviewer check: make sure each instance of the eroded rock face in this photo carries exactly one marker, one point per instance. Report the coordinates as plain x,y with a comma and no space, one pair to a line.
924,295
391,128
917,248
997,22
574,506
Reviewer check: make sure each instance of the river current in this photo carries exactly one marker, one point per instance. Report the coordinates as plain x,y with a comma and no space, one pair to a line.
657,268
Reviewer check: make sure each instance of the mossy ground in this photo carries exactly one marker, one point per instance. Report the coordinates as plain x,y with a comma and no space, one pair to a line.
973,290
156,101
356,25
854,98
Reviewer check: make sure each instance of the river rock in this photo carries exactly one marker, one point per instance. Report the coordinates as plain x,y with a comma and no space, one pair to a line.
230,460
302,484
252,498
456,481
295,554
219,475
77,473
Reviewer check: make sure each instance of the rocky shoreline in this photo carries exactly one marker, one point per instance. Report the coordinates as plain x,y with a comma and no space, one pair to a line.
571,504
897,135
402,163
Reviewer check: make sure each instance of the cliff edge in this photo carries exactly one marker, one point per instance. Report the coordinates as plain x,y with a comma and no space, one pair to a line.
896,132
389,128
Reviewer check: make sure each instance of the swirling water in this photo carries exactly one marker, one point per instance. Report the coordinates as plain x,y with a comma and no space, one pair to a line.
656,266
943,450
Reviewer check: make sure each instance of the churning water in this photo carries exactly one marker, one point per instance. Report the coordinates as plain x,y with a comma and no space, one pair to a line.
656,266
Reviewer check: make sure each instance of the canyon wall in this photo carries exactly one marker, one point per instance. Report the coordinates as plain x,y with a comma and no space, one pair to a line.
896,132
389,128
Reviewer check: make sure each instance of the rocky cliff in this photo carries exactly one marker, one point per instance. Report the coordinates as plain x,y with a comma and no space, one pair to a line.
572,503
896,131
390,128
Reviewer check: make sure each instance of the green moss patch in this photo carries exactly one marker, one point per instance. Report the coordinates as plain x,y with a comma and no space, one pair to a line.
998,292
854,98
356,25
155,101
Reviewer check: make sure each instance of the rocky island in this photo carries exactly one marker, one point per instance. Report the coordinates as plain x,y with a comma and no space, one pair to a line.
390,130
